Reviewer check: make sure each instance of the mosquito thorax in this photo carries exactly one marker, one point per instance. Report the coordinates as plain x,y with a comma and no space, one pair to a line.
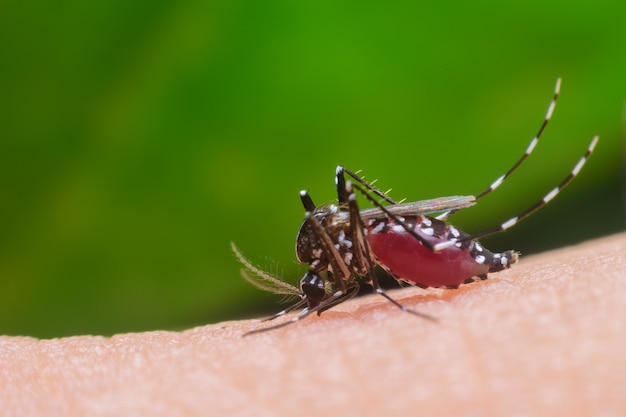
309,249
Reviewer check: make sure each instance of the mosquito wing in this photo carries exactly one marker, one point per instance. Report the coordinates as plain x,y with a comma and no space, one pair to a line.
435,205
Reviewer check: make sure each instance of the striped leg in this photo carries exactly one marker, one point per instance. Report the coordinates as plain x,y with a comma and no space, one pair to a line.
337,298
390,215
312,285
362,251
529,150
539,204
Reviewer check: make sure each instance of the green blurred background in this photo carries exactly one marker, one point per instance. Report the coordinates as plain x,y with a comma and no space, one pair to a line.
139,138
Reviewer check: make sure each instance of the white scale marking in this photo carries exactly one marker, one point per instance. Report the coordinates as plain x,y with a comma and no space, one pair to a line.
348,258
378,227
550,110
343,241
497,183
445,245
509,223
480,259
551,195
579,166
532,145
397,228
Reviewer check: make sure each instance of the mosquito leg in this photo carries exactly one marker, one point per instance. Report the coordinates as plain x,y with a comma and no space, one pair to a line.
363,253
304,313
341,186
539,204
287,310
352,291
337,265
337,298
526,154
395,218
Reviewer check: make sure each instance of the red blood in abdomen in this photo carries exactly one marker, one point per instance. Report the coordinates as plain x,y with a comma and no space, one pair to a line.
408,260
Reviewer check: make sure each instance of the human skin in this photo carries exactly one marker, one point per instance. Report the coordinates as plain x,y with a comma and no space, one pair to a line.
546,337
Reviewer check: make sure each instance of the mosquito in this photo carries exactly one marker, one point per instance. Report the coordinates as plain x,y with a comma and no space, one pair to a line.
340,242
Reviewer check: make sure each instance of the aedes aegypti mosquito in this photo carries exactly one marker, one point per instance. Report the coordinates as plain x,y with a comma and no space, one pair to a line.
405,239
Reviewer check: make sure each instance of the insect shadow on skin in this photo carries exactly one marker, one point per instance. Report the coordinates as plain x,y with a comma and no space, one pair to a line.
342,242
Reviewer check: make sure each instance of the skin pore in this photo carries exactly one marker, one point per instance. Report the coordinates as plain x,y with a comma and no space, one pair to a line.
545,337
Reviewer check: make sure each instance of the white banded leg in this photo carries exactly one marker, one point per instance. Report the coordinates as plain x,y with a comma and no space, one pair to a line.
392,216
362,250
336,298
529,150
344,291
539,204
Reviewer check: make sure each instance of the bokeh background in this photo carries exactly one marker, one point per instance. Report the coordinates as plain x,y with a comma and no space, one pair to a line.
138,139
